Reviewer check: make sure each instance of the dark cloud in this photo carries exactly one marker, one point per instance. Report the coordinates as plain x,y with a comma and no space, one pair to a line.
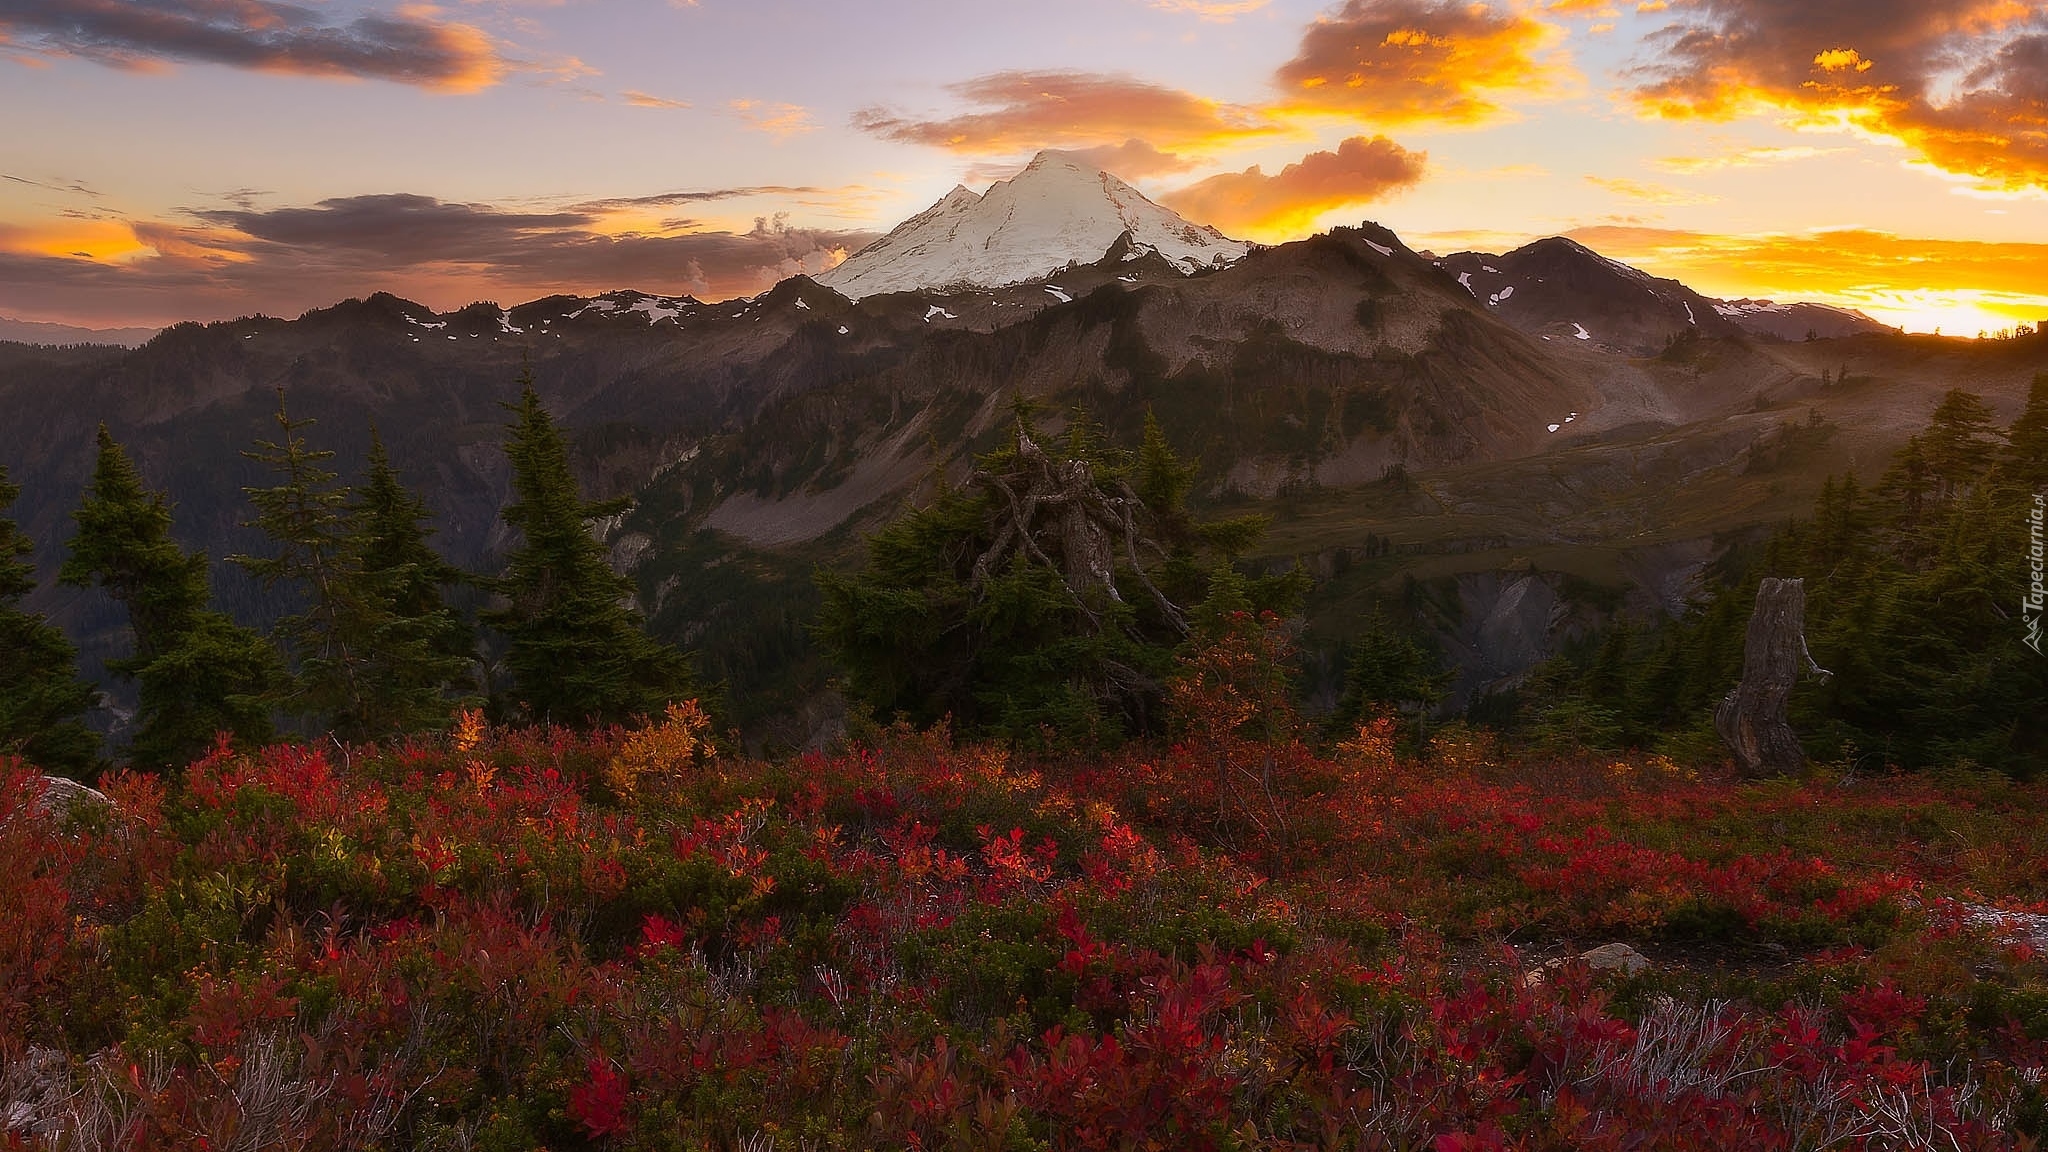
1021,112
235,261
1962,83
1288,202
71,187
1421,61
407,47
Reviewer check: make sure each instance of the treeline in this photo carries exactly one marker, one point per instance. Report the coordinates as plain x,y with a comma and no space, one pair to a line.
1061,594
376,647
1914,591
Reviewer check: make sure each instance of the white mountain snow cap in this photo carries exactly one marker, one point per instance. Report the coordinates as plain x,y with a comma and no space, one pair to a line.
1060,211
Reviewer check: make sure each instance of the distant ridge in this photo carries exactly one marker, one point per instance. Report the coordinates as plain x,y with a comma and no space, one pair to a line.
37,332
1060,211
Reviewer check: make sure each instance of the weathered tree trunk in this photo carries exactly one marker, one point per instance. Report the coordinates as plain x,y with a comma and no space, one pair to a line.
1751,719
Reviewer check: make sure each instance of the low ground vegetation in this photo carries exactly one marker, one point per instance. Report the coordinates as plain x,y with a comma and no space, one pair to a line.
513,938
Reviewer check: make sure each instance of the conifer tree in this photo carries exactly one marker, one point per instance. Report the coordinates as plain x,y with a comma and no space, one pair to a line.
2025,464
1045,601
1388,670
198,673
423,648
42,700
374,648
1961,441
303,514
576,651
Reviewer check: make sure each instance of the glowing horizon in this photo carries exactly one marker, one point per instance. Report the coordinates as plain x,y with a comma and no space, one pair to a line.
211,161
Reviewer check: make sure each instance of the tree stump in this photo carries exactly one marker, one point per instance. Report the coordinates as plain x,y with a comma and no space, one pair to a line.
1751,719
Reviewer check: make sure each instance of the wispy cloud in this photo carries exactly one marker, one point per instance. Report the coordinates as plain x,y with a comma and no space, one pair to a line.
1021,112
1742,158
1648,193
408,46
643,100
778,120
1221,11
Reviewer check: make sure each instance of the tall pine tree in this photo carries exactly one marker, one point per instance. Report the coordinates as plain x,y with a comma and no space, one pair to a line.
42,700
576,651
198,673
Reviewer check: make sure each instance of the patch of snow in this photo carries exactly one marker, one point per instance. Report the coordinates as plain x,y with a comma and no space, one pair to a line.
1489,268
1056,290
842,329
1465,278
1059,212
1501,296
1125,279
800,303
1581,332
1688,314
934,310
505,322
1555,427
657,309
1383,250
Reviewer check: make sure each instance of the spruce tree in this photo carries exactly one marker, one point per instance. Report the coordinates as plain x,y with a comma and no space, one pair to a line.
304,516
576,651
42,700
2025,464
198,673
1961,441
423,648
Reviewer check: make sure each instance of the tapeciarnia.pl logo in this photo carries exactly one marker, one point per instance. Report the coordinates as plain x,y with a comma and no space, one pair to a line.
2037,596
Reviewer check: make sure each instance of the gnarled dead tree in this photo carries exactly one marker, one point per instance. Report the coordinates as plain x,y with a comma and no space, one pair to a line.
1751,719
1062,508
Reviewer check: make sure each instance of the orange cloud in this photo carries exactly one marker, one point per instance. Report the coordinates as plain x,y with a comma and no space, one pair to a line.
1218,10
778,120
72,239
1022,112
1741,158
643,100
409,46
1287,204
1648,193
1959,286
1896,70
1423,61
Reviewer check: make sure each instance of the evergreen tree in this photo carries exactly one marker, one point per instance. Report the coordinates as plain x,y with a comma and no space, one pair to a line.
1046,600
375,648
423,649
1961,441
1388,670
576,652
198,673
2025,464
303,514
42,700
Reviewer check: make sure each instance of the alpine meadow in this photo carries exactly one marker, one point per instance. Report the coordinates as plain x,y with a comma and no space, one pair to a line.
1099,576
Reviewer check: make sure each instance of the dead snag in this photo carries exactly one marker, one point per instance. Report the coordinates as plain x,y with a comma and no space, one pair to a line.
1752,719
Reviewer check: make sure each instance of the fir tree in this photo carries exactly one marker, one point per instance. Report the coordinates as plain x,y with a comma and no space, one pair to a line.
576,652
2025,464
375,648
198,673
1961,441
42,700
303,514
1388,670
423,648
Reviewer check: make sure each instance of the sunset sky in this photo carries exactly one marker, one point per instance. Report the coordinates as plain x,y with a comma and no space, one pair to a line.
203,159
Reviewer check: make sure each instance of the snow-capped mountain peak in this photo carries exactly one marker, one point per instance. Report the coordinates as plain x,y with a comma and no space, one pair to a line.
1060,211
